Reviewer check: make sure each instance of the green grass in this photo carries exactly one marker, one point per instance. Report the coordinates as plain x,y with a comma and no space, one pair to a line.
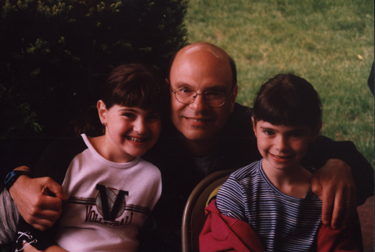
327,42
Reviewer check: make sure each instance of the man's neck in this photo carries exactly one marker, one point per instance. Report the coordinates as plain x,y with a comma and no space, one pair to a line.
199,148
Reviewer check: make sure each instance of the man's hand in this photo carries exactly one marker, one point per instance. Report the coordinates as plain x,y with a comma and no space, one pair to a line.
34,201
335,186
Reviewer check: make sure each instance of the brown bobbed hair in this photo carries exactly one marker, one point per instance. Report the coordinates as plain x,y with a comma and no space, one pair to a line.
287,99
131,85
134,85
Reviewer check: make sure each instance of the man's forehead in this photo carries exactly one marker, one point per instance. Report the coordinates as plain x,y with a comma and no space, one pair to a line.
203,64
200,70
205,47
202,55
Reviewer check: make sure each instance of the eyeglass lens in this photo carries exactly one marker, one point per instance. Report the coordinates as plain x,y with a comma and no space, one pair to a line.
211,98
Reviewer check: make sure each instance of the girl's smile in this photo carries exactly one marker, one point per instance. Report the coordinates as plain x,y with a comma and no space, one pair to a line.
281,158
129,131
281,146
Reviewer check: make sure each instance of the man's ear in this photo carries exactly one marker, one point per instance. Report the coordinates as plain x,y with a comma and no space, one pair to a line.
315,132
102,111
233,97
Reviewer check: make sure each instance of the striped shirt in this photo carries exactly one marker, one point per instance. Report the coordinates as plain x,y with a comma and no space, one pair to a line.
283,222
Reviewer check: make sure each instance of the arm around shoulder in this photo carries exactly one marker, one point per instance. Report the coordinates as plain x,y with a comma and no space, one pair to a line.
34,202
324,149
39,200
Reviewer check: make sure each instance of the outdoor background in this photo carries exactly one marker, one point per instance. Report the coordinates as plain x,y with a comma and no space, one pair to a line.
55,51
327,42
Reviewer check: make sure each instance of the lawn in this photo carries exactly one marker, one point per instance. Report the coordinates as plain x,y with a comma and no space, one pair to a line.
328,42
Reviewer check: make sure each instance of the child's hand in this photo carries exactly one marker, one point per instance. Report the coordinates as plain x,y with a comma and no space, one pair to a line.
29,248
334,184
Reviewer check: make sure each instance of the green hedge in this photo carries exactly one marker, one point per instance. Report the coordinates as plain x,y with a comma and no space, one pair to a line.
54,53
3,248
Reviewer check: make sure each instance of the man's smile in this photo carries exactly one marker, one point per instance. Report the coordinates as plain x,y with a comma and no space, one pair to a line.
197,121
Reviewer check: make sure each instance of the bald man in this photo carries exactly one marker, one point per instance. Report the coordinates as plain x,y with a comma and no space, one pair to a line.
209,132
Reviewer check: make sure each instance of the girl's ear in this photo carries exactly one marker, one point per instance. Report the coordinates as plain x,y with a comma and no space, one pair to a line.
254,125
315,132
102,111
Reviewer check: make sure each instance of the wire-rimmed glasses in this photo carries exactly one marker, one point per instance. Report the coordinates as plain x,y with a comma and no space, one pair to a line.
211,98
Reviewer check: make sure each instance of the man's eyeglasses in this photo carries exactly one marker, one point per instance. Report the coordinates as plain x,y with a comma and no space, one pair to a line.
211,98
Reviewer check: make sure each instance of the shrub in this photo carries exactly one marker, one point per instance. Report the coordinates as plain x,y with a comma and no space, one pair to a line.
54,52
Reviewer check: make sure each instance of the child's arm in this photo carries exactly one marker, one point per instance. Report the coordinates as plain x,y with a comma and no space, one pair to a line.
28,236
53,248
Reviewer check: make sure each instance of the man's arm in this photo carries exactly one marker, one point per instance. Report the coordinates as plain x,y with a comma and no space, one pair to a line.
362,172
34,200
21,151
39,200
344,180
336,188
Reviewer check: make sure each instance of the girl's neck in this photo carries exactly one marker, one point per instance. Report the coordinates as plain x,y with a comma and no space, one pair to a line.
105,148
294,181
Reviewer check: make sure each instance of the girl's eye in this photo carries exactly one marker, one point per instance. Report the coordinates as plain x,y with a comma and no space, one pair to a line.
269,132
129,115
297,134
153,117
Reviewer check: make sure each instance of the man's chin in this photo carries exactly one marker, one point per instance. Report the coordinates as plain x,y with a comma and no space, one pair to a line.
198,135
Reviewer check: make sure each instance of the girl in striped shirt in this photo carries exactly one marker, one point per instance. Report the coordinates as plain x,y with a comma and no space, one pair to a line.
268,205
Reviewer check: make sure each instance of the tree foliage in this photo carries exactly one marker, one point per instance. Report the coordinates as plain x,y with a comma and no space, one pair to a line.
54,52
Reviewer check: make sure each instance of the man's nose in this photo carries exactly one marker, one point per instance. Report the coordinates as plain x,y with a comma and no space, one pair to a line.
198,103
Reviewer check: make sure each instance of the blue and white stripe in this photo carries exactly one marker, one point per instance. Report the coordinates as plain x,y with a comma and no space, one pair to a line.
283,223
